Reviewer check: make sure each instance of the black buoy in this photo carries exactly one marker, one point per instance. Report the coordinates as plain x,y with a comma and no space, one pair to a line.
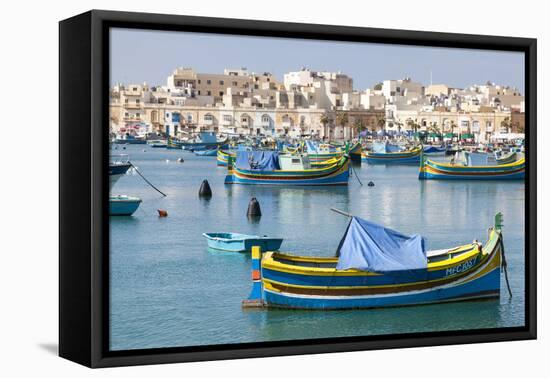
370,183
205,190
254,208
180,160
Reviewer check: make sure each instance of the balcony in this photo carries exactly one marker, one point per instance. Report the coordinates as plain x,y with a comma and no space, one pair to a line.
132,105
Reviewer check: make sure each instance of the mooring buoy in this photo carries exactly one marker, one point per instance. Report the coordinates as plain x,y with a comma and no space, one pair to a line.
370,183
162,213
205,190
180,160
254,208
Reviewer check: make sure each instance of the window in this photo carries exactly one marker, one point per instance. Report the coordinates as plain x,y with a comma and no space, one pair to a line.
189,118
265,118
221,93
134,89
199,93
221,82
126,114
199,81
244,119
137,115
227,118
137,100
234,83
208,82
295,161
256,86
208,117
208,93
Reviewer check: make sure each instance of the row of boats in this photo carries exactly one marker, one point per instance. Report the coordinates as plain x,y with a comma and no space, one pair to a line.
374,266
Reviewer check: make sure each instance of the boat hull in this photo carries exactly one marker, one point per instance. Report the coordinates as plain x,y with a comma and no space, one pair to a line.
116,171
241,243
338,174
430,170
123,205
406,157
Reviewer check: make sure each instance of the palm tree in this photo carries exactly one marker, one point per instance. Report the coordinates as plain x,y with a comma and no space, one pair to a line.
381,123
358,125
506,123
342,119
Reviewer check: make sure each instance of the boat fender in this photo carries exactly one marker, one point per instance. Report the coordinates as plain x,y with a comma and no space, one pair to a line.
162,213
254,208
205,190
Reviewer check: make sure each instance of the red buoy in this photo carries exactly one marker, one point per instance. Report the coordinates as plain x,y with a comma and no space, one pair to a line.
162,213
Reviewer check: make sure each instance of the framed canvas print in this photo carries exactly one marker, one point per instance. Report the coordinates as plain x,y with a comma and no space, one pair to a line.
236,188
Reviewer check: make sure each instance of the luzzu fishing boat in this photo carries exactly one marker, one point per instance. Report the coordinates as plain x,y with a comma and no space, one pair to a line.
378,267
322,152
434,170
505,158
355,152
222,157
270,168
382,155
435,150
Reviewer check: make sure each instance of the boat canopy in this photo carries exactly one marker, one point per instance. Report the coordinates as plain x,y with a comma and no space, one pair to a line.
258,160
371,247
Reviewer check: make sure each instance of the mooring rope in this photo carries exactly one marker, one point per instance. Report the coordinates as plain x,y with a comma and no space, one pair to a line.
355,172
505,266
147,181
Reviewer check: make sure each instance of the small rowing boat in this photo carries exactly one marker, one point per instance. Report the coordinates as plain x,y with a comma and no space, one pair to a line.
122,205
234,242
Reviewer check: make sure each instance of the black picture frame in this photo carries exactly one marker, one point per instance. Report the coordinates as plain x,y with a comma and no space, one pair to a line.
83,205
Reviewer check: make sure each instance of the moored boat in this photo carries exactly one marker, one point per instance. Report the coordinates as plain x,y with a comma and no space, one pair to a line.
122,205
435,150
270,168
118,166
207,152
430,169
234,242
378,267
411,156
355,151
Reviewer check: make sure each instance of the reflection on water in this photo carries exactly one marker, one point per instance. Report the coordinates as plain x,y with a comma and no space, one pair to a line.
168,289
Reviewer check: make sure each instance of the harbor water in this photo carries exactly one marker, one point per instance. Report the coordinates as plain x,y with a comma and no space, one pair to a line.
168,290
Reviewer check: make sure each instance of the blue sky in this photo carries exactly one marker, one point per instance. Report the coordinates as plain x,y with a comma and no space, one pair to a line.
139,56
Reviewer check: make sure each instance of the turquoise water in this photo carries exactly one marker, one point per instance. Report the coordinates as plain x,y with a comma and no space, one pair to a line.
169,290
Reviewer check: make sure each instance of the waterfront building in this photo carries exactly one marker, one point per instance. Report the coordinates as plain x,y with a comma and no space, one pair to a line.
315,104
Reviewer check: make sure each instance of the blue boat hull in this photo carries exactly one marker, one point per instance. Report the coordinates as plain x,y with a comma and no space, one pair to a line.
243,243
487,286
123,206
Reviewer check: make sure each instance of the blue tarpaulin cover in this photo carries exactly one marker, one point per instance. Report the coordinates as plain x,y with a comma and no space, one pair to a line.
258,160
311,147
370,247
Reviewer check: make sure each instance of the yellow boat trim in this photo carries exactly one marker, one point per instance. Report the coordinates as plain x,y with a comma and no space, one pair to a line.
447,165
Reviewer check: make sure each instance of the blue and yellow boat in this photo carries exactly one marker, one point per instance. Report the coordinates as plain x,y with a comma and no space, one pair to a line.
234,242
378,269
432,170
355,151
268,168
411,156
223,156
